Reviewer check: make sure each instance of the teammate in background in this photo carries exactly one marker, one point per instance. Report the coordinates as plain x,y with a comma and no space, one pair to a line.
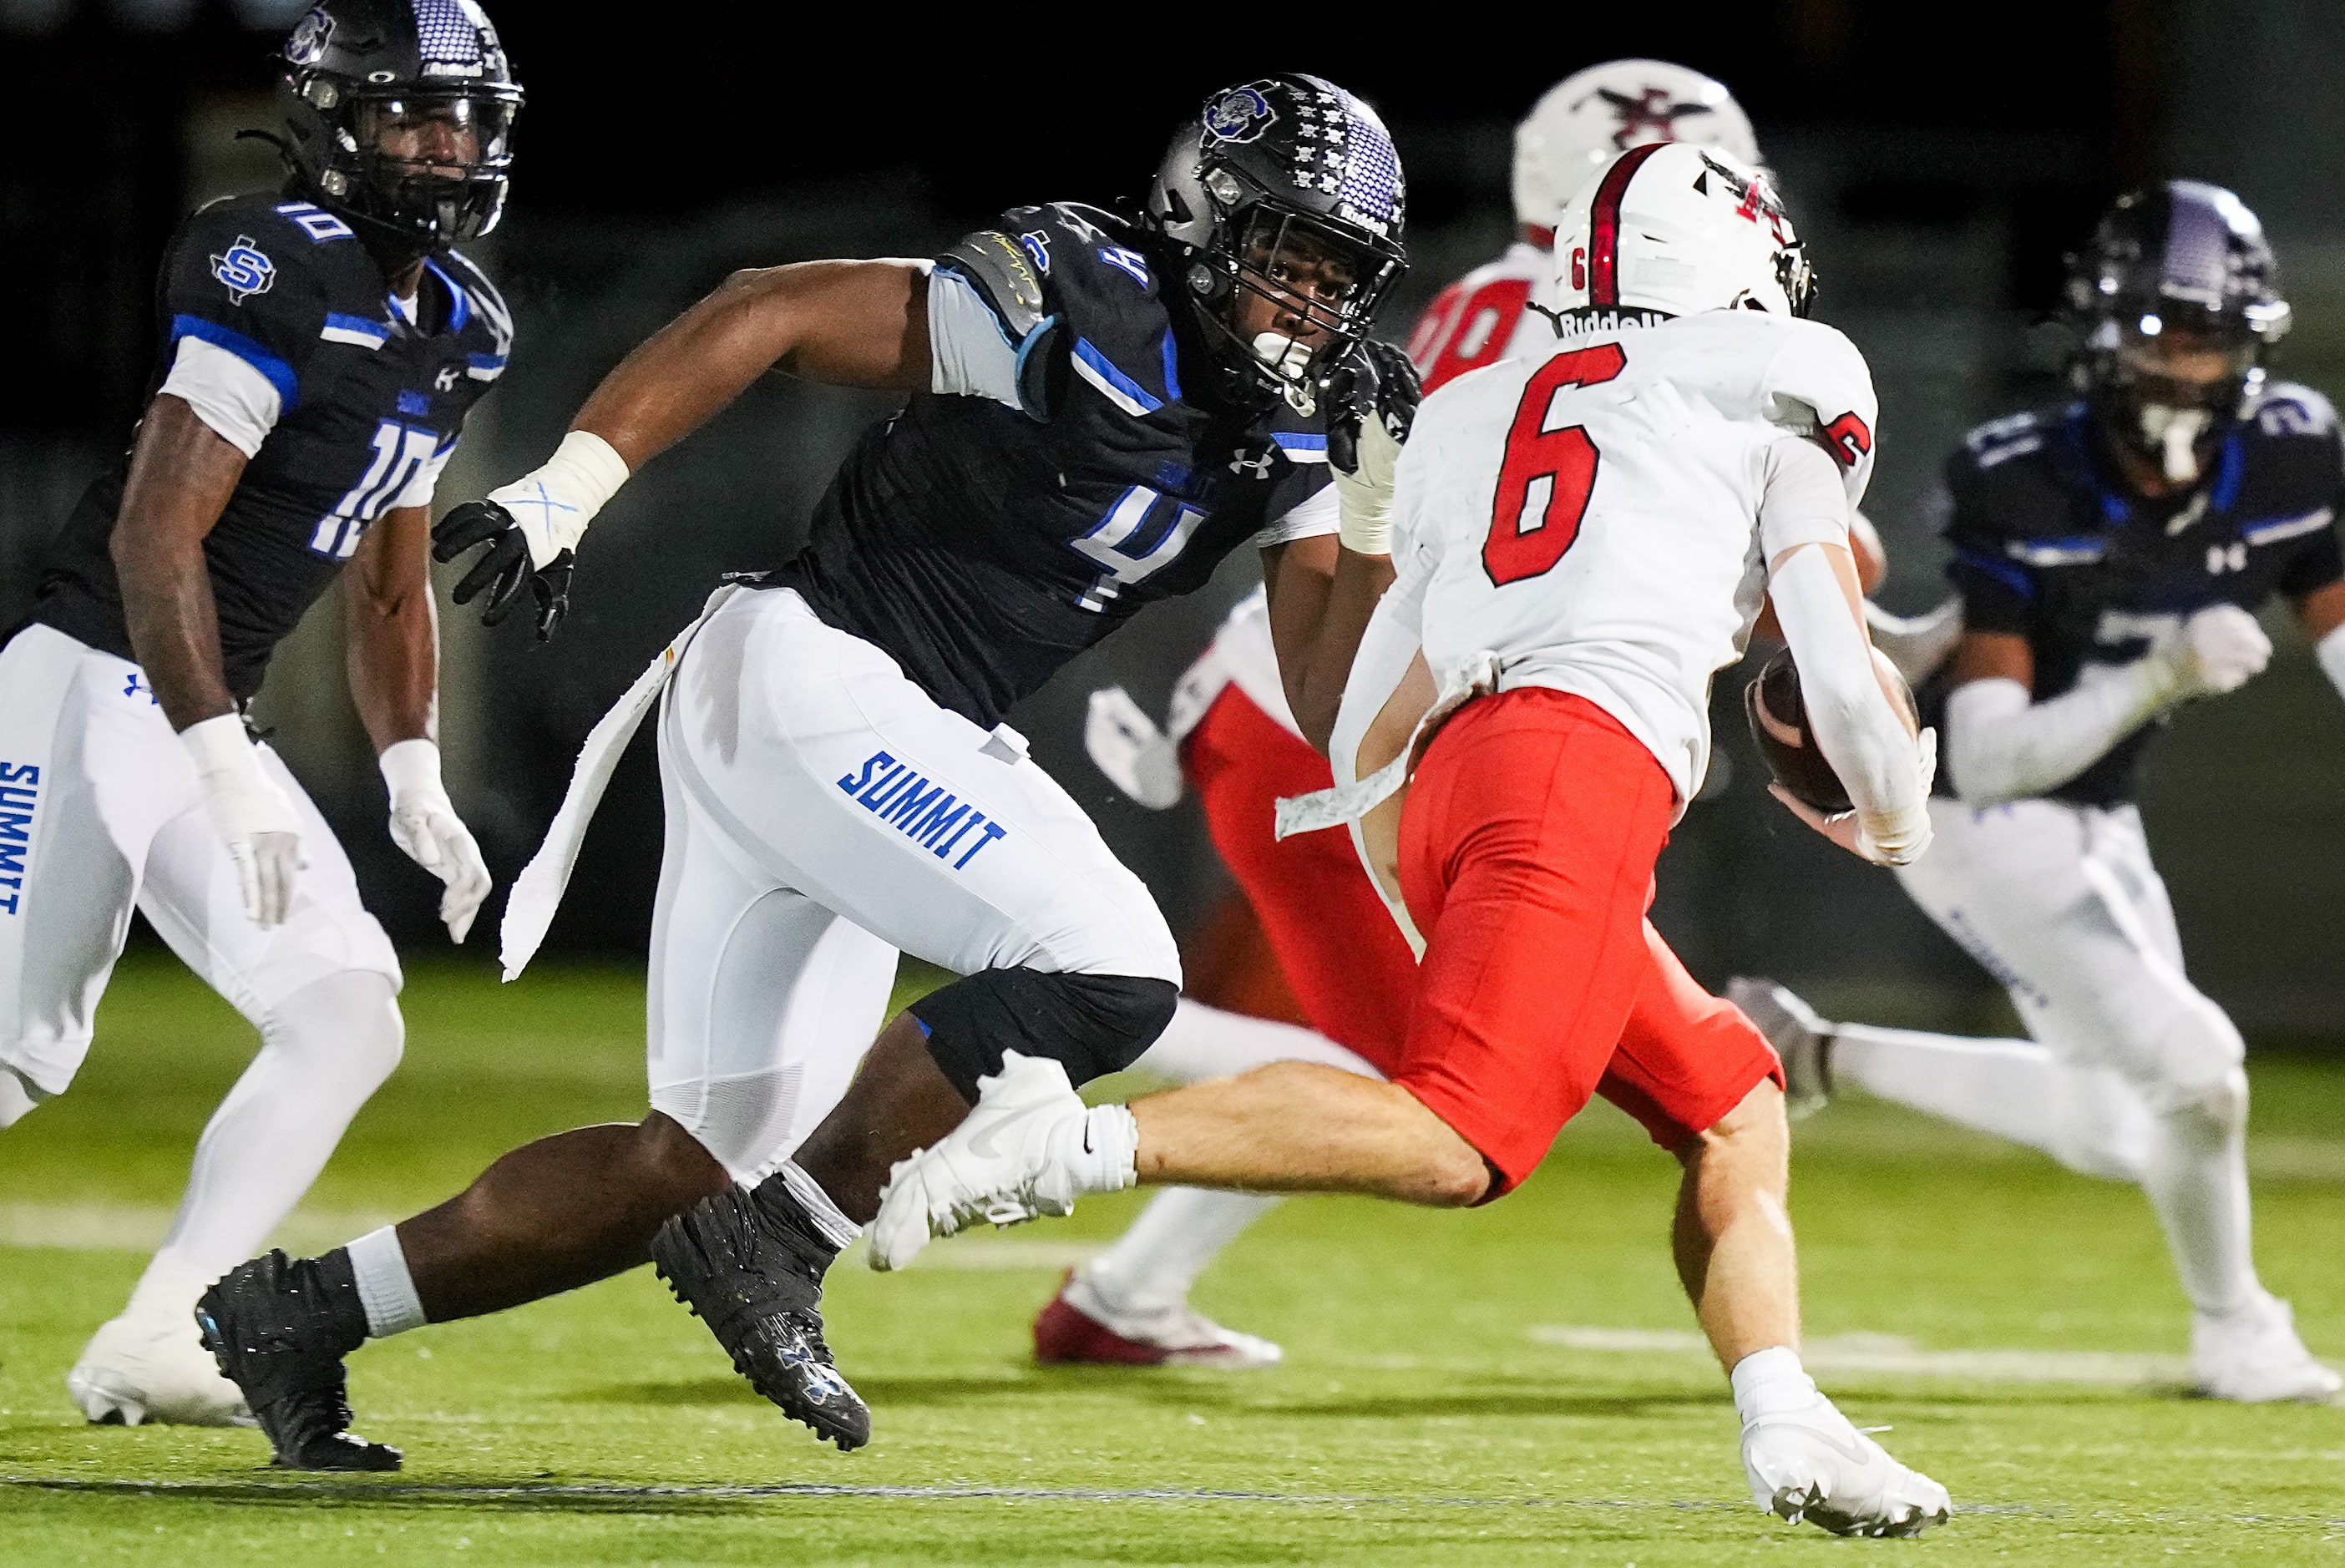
1232,735
1588,537
321,348
2110,556
1104,407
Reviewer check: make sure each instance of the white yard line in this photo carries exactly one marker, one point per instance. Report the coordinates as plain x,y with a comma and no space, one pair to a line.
1896,1356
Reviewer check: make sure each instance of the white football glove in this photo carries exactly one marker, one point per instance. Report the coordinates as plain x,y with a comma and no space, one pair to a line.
1125,745
1376,399
250,813
1883,838
2220,649
426,827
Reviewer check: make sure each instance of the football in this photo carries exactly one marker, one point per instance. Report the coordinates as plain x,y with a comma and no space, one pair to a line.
1779,728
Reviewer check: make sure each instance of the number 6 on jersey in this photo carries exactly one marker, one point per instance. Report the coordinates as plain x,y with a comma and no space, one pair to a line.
1544,486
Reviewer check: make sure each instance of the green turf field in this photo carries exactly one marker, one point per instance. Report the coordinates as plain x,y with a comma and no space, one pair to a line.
1502,1386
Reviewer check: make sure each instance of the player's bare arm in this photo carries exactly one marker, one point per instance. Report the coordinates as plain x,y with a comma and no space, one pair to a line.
1321,596
2321,612
847,323
393,631
182,473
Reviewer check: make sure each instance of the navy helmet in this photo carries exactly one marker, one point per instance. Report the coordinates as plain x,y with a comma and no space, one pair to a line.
2180,269
1277,169
399,115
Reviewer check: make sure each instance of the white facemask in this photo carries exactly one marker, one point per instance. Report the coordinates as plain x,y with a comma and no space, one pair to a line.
2175,432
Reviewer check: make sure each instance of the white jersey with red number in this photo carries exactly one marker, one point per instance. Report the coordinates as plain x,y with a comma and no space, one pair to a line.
1485,317
1591,520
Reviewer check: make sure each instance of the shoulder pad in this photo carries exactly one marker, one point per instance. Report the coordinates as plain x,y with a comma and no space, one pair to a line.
1819,369
2293,408
1005,274
488,327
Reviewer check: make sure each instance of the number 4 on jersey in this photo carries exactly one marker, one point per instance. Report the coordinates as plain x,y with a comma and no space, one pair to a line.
1543,487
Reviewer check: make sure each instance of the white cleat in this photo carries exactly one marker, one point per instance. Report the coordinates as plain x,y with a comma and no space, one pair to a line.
1799,1036
150,1365
1003,1165
2253,1356
1084,1326
1810,1465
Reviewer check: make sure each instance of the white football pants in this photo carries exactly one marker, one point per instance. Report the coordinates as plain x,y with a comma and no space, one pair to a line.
2132,1074
823,813
100,811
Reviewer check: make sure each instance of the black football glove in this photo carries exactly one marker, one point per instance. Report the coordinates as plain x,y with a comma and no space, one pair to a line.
505,567
1374,381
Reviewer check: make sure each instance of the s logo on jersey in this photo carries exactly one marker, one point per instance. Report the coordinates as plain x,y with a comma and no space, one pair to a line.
1239,115
243,270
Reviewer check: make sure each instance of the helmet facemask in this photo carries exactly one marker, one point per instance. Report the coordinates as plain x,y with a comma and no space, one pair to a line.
1294,294
430,164
2171,378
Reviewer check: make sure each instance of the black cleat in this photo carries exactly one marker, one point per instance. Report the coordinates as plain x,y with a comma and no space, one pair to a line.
279,1328
748,1262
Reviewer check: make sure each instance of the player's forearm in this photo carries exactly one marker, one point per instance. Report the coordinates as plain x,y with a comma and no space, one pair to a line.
181,476
1321,640
2002,747
393,633
848,323
1857,728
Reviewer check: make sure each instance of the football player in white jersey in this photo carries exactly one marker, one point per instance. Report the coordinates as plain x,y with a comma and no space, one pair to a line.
1306,927
1689,447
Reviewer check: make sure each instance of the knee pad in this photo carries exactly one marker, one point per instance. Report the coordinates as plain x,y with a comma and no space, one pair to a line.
350,1020
1092,1025
2199,1059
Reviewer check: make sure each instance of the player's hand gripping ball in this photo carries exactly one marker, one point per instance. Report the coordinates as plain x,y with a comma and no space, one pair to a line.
1778,727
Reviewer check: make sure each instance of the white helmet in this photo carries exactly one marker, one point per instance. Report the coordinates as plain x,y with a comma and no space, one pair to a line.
1674,228
1593,116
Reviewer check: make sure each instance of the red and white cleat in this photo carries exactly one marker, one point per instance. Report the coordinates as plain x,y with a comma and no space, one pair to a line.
1079,1328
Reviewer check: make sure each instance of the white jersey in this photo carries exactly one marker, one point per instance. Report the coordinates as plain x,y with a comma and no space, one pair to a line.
1485,317
1591,521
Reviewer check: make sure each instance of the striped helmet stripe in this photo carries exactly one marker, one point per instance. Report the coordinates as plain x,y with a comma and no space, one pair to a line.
1604,227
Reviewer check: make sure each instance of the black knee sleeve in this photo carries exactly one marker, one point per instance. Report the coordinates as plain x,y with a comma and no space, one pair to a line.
1092,1025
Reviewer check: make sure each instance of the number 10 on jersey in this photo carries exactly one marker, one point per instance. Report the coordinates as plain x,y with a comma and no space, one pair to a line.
1544,485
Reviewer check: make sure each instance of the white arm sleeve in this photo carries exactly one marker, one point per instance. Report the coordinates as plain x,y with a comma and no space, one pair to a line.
229,395
1801,499
2002,747
1314,515
1859,733
2330,652
970,355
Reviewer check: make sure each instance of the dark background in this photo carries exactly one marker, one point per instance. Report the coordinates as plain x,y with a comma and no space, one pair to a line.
1940,161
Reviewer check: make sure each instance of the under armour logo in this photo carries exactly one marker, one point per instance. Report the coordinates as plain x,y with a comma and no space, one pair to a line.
137,685
1259,467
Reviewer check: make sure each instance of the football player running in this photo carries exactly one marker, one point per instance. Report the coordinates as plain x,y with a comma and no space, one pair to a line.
2109,555
322,348
1588,537
1232,735
1104,407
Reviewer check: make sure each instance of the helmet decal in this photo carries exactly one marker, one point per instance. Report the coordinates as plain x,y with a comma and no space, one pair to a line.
1239,115
310,36
1650,113
1369,192
1604,228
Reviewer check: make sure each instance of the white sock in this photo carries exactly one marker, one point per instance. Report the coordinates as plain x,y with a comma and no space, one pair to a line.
1100,1148
836,1227
1205,1042
1771,1382
323,1050
385,1287
1183,1228
2089,1118
169,1286
2197,1181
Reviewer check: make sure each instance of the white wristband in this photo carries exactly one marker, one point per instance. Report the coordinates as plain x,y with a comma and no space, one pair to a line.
412,768
553,505
223,751
2330,652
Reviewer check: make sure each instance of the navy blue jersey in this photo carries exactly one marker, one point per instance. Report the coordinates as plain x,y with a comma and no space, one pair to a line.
2047,547
371,406
982,546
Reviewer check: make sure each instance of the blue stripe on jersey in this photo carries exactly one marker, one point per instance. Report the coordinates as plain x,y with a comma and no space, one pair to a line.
461,311
1300,447
278,373
1172,368
2273,530
1121,390
2013,577
340,329
484,366
2234,467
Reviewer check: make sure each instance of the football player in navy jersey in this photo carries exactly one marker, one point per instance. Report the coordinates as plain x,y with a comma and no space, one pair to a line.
1103,406
2110,556
322,348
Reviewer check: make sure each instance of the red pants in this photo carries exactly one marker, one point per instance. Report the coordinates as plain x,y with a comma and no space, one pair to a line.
1349,966
1526,855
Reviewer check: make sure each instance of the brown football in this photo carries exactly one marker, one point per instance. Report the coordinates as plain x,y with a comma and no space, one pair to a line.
1779,728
